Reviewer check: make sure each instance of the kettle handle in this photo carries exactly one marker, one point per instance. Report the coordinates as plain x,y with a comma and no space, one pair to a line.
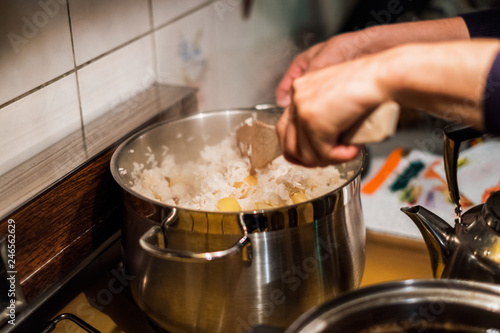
147,243
454,135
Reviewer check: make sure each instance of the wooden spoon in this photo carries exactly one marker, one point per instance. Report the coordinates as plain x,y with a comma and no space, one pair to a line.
259,141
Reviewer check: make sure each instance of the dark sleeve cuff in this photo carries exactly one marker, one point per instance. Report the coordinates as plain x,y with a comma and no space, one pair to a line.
483,24
492,99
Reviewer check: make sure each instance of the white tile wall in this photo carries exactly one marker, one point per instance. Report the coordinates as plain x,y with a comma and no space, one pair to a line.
253,54
116,78
186,55
33,123
101,25
35,46
201,43
234,62
167,10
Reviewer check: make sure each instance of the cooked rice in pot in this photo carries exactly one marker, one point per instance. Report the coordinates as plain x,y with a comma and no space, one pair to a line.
220,181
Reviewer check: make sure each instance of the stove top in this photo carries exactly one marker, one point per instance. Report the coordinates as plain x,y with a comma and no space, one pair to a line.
157,329
101,298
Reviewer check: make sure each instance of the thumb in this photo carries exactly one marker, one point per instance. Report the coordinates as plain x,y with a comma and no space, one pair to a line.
296,70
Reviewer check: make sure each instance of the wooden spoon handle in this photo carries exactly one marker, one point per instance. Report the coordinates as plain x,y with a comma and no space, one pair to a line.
377,126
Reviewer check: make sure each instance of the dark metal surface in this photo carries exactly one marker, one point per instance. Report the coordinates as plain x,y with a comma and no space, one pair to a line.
470,250
439,236
491,211
266,329
408,306
454,135
71,317
36,316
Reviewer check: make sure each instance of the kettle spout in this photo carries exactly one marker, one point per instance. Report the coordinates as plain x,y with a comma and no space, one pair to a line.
438,236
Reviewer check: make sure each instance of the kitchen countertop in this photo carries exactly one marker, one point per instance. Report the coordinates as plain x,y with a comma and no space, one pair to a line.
418,178
392,258
382,212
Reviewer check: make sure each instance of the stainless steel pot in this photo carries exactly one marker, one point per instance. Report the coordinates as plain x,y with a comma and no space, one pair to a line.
413,306
226,272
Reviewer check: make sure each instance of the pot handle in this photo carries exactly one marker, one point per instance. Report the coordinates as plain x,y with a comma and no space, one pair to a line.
242,245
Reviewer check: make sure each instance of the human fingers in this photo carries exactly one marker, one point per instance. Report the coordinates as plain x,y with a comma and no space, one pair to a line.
335,51
341,48
321,117
298,143
283,90
317,149
290,148
281,126
314,136
322,149
305,149
309,156
342,153
296,69
287,130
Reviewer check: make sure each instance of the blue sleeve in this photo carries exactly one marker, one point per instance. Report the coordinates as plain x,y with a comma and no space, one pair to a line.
484,24
492,99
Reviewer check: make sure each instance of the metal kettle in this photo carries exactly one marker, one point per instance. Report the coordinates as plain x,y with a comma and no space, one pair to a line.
470,250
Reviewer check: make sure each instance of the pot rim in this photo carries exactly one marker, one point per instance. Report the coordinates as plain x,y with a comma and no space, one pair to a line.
135,136
348,302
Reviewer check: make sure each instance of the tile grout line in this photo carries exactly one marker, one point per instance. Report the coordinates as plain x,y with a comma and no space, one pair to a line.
37,88
82,125
153,38
155,51
76,68
180,17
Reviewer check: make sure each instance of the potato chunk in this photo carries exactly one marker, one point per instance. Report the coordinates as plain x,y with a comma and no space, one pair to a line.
263,205
250,180
228,205
298,197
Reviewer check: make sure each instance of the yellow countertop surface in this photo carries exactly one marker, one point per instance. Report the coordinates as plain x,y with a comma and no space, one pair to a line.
391,258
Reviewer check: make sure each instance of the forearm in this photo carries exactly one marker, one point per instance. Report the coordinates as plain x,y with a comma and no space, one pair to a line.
348,46
388,36
447,79
432,65
375,39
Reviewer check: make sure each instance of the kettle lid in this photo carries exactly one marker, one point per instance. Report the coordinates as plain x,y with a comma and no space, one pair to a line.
491,211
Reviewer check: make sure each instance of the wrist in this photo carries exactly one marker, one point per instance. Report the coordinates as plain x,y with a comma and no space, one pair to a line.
391,69
447,79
